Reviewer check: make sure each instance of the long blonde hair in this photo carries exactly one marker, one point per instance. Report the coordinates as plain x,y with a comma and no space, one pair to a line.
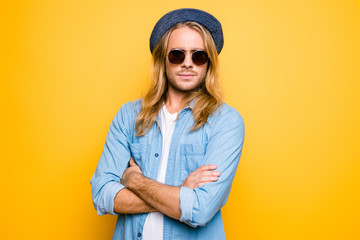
207,99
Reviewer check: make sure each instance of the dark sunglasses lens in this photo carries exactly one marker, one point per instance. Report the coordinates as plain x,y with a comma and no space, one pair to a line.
200,57
176,56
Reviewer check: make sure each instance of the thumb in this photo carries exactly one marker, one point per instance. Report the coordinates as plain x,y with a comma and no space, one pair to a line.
132,162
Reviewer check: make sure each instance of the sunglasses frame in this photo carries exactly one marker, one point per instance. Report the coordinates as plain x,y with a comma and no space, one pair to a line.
192,55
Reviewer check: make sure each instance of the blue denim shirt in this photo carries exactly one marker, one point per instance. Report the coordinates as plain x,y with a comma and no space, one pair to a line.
218,142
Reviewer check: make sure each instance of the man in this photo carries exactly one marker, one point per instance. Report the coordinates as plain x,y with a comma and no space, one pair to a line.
170,158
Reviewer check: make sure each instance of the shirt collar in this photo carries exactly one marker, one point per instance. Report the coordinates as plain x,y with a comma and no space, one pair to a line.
192,103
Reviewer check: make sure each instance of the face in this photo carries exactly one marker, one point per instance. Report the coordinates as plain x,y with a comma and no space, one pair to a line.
187,76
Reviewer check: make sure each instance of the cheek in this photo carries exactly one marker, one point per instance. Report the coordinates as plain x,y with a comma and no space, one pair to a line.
203,71
170,69
167,69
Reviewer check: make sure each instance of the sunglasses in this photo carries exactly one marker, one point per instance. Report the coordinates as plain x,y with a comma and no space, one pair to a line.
177,57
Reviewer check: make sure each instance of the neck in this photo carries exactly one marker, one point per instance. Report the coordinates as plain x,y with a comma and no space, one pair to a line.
174,100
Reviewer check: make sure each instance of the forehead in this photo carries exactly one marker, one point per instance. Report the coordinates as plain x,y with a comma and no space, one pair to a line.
186,38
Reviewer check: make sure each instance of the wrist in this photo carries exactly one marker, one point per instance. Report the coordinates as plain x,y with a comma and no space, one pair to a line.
133,179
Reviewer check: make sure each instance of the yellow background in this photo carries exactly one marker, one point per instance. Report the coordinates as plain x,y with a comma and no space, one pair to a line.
291,68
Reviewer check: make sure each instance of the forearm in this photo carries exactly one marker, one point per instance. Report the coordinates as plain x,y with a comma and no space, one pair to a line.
164,198
128,202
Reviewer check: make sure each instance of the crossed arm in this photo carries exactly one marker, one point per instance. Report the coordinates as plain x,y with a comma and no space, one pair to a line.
143,194
126,193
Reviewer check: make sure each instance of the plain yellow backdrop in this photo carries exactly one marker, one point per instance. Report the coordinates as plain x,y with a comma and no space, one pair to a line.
291,68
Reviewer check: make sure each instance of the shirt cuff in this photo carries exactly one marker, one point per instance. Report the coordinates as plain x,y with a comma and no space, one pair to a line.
110,192
187,196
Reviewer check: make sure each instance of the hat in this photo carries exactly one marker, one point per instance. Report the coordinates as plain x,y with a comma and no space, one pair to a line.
188,15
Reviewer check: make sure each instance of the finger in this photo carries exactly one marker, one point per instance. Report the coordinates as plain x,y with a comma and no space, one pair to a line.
207,167
208,179
199,185
132,162
200,174
209,173
204,182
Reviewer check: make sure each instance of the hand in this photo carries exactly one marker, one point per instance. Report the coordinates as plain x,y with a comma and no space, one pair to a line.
200,176
130,171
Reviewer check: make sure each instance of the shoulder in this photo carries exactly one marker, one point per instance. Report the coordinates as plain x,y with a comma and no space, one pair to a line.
227,123
134,105
226,114
129,110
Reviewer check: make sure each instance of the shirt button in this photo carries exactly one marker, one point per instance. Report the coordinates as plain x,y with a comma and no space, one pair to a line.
139,234
156,154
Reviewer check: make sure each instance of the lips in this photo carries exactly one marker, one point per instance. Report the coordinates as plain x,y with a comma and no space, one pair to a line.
187,75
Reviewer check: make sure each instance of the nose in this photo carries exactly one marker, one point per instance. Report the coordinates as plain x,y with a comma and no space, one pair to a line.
187,63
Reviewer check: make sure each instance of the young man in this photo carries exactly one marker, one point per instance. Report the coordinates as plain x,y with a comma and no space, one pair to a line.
170,158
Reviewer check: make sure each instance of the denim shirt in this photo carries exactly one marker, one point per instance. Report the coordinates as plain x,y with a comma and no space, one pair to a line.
218,142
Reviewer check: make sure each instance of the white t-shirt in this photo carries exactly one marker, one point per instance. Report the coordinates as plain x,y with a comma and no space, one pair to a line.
153,227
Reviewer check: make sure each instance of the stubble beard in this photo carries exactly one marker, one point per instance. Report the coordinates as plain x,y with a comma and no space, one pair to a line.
178,88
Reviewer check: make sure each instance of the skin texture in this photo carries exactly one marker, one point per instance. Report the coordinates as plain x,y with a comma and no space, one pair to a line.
200,176
164,198
128,202
146,195
186,76
143,194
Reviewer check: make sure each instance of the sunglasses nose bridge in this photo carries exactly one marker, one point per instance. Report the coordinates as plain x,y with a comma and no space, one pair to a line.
188,60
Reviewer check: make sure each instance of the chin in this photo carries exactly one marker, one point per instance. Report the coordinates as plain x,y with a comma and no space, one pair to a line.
187,89
185,86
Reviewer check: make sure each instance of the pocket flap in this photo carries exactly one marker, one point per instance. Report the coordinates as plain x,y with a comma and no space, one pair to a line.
137,150
193,149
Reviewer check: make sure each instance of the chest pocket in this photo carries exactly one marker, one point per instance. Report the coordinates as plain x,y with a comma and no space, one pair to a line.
138,153
191,158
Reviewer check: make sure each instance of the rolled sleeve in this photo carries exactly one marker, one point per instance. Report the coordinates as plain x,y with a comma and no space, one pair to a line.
105,183
105,201
187,197
199,205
